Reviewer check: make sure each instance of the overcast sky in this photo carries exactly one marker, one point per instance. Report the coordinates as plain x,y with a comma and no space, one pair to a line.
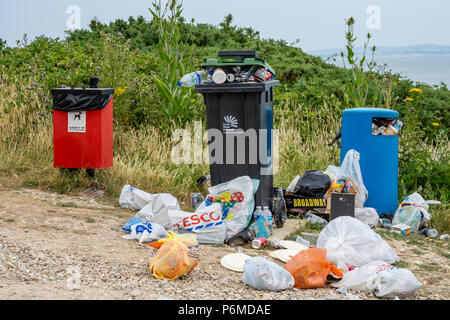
319,24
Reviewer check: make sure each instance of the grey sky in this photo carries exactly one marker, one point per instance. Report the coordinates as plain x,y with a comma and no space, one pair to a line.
319,24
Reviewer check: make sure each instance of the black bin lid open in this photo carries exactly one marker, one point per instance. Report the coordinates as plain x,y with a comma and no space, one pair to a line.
81,99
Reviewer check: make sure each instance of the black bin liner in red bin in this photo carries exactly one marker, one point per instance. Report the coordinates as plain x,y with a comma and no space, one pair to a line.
79,99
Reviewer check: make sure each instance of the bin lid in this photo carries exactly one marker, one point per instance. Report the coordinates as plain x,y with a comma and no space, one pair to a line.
237,58
81,99
236,87
378,112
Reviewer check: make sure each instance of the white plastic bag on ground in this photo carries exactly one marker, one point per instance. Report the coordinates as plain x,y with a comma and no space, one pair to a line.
133,198
413,211
349,241
205,222
263,274
159,201
368,216
382,279
146,232
237,200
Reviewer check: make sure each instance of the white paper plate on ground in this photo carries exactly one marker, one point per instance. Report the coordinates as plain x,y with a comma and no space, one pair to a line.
234,261
284,254
293,245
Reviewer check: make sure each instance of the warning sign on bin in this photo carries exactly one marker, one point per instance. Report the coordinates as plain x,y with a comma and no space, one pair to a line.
76,121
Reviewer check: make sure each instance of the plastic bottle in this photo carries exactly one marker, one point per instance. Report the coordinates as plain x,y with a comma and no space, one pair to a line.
303,241
194,78
257,213
268,219
219,76
431,233
315,219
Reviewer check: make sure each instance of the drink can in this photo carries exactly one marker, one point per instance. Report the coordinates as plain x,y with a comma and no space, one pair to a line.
259,243
196,200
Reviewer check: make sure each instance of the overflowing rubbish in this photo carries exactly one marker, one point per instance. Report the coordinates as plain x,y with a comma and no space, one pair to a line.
194,78
381,279
350,241
133,198
146,232
130,222
310,268
368,216
234,261
275,243
263,274
177,256
413,211
386,126
313,183
348,178
263,224
243,237
311,237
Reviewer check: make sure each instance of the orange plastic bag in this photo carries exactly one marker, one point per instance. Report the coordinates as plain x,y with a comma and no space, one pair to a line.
177,256
310,268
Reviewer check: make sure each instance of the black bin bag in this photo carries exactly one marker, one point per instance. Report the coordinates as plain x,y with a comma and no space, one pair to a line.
78,99
313,183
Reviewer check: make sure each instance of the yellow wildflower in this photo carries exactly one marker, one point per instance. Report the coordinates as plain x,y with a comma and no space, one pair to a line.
415,90
119,91
435,124
409,99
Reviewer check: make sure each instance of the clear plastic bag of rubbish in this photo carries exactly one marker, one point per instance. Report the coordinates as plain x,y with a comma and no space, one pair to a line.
237,199
350,241
146,232
133,198
263,274
381,279
413,211
368,216
351,165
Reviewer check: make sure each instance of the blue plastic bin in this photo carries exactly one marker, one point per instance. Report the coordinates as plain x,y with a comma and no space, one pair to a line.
378,156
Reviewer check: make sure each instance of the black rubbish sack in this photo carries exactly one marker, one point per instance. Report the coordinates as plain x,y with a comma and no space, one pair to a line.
78,99
313,183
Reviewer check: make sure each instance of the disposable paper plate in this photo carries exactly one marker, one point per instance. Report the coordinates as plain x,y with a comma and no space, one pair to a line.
293,245
284,254
234,261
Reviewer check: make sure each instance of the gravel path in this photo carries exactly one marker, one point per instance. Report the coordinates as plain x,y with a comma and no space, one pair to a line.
61,247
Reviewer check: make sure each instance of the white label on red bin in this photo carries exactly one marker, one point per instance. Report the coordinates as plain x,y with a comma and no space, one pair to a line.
76,121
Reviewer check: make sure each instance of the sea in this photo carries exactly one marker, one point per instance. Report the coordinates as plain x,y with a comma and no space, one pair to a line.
430,69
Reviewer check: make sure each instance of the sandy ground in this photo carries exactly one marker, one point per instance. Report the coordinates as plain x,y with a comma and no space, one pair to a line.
65,247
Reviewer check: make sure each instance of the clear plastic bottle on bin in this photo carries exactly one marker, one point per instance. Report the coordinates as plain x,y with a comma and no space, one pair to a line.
268,219
194,78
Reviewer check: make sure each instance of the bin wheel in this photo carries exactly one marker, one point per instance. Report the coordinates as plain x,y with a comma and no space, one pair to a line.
279,212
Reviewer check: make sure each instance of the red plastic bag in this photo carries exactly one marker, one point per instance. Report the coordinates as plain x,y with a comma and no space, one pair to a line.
310,268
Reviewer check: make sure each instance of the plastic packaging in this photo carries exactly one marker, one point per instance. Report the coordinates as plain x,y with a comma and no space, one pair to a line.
275,243
368,216
351,165
382,279
194,78
130,222
302,241
413,211
146,232
133,198
267,214
349,241
177,256
312,218
263,274
430,233
310,268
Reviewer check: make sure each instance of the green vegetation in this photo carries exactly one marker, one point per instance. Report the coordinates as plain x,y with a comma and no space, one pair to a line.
143,59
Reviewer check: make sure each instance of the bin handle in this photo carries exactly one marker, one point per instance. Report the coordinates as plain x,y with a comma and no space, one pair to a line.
336,139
